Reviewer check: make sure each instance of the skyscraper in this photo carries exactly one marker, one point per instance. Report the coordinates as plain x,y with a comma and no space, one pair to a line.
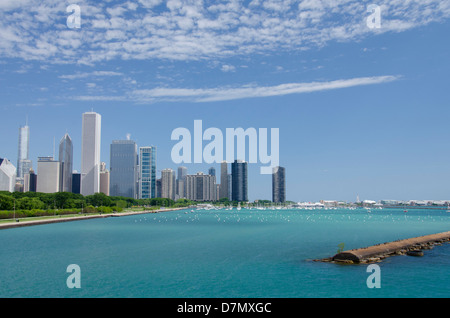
201,187
239,181
279,185
90,153
76,182
23,160
123,168
223,191
7,175
48,175
167,184
181,182
30,181
158,188
66,163
230,186
212,171
147,172
104,179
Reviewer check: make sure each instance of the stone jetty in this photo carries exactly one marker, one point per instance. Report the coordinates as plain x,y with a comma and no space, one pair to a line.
376,253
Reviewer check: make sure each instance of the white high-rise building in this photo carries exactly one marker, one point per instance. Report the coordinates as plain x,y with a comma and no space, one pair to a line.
48,175
7,175
90,153
23,160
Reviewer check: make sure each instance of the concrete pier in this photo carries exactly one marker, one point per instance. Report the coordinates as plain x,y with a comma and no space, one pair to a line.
376,253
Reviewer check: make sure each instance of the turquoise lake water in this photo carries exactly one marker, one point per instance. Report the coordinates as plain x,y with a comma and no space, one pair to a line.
221,253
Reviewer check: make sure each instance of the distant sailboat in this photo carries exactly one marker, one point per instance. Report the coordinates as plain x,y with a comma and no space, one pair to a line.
239,206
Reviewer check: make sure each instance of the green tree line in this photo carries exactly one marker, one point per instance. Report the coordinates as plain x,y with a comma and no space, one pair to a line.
65,201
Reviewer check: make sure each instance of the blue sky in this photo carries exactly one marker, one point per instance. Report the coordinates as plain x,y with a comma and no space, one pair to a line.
360,110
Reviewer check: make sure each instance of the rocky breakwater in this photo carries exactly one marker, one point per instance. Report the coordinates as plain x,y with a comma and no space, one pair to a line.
376,253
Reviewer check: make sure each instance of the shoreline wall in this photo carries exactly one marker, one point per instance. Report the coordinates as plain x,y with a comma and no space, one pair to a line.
79,218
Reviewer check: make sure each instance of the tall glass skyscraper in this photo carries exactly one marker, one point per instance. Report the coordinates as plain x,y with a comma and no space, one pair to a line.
23,160
123,168
66,163
239,181
223,189
90,153
279,185
147,172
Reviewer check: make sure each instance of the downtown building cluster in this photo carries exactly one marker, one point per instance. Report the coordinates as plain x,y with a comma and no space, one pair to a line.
132,172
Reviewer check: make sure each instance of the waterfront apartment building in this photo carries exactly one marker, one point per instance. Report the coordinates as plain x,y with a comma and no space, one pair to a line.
90,153
123,168
66,163
48,175
7,175
201,187
147,172
168,184
279,185
239,181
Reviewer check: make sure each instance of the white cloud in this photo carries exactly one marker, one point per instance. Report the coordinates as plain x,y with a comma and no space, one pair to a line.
90,74
100,98
228,68
193,29
233,93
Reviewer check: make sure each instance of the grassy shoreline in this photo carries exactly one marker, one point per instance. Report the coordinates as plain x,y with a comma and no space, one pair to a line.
38,220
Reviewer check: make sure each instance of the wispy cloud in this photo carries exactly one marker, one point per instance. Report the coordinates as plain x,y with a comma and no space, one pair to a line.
90,74
100,98
193,30
200,95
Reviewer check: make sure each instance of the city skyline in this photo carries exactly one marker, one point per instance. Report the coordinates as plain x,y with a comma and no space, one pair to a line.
360,109
181,170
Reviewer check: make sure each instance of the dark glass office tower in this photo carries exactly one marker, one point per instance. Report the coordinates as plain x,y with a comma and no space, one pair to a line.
123,168
224,181
279,185
76,183
33,181
239,182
